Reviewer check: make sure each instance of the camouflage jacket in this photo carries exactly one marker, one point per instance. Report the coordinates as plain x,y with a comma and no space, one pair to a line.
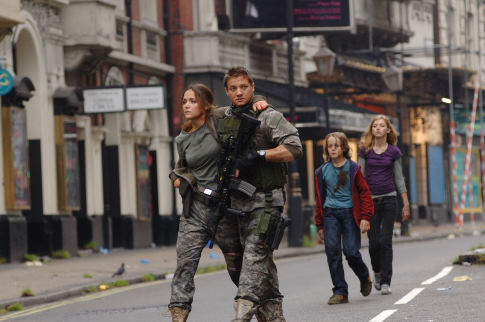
274,130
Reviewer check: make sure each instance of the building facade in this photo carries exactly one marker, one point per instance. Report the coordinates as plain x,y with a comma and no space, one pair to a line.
89,179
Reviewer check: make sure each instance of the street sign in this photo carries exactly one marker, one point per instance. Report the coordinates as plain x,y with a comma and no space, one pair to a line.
104,100
6,81
144,97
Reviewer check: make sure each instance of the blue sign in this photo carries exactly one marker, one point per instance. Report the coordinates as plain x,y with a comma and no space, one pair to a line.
6,81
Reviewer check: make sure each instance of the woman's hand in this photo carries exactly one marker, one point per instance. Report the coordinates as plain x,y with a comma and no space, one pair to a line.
176,183
260,106
364,226
320,234
405,212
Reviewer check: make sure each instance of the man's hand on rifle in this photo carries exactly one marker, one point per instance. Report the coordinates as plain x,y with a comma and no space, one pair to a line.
249,161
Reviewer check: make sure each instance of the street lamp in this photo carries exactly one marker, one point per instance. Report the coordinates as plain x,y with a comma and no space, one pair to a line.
393,78
325,61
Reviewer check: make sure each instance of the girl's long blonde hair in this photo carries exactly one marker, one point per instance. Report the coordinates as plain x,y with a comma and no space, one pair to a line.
367,140
344,144
205,99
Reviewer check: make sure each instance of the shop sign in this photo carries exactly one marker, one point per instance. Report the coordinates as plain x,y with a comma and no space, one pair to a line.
6,81
104,100
308,15
144,97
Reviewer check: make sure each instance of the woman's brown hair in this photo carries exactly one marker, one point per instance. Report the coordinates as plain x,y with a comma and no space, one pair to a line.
204,98
344,144
367,140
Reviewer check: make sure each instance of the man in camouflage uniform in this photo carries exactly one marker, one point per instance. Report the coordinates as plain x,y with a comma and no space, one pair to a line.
263,164
198,223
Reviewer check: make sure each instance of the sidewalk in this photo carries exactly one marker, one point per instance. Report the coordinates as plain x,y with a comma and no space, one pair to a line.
60,279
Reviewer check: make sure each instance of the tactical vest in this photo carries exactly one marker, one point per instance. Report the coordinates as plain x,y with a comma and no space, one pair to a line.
268,175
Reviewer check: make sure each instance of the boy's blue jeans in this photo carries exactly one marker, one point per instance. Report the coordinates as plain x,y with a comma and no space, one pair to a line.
339,228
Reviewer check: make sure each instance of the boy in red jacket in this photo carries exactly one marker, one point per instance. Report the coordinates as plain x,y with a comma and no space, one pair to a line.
343,205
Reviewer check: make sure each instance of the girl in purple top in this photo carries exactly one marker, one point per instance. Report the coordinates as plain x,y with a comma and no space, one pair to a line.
381,164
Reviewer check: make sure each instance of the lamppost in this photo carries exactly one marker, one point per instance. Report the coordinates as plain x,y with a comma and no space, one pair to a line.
393,77
295,231
325,61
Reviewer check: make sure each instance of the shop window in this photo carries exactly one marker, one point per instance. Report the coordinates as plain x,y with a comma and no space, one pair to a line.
15,158
143,183
67,156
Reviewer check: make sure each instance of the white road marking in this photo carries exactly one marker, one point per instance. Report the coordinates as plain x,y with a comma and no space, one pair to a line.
382,316
408,297
412,294
445,271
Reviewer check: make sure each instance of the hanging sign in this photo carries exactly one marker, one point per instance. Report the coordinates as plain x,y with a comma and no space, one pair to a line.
6,81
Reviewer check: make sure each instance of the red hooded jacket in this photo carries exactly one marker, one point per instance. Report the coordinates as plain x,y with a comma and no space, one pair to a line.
363,206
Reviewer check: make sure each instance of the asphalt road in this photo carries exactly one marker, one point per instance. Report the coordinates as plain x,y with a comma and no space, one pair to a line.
305,282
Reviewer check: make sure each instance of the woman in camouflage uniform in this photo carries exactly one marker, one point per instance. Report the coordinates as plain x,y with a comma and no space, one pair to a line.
196,177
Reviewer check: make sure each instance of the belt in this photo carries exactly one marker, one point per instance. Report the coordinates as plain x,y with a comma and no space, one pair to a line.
207,192
206,196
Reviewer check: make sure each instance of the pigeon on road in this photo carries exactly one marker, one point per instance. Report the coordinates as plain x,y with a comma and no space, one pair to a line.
120,270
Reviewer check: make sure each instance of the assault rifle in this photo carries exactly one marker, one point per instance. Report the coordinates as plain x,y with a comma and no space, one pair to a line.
231,149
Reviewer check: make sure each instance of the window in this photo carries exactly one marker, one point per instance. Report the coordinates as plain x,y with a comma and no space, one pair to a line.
151,38
148,10
119,29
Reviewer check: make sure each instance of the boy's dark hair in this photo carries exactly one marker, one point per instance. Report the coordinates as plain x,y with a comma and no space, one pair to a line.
341,138
237,71
344,144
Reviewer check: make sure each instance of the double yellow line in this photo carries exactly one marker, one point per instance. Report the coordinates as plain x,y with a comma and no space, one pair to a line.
90,297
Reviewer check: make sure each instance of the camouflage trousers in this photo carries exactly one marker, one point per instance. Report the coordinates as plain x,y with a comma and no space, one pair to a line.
194,233
258,282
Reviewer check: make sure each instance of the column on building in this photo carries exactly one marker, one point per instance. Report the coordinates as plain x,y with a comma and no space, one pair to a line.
90,218
13,227
39,56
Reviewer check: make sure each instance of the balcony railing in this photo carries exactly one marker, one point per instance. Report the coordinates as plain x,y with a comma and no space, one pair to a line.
217,51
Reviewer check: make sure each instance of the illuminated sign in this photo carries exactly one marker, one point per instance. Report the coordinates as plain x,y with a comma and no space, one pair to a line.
308,15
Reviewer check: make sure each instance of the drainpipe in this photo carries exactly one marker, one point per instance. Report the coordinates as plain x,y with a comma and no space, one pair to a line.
129,29
168,61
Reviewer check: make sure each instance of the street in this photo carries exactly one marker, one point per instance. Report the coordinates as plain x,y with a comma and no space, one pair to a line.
305,283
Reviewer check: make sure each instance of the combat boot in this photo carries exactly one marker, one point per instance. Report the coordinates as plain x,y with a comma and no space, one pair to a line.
244,310
179,314
270,311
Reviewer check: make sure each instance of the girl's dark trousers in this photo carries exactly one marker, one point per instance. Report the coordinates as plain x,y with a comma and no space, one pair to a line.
380,236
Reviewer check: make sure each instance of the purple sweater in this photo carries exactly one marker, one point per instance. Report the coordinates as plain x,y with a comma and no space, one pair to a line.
379,169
